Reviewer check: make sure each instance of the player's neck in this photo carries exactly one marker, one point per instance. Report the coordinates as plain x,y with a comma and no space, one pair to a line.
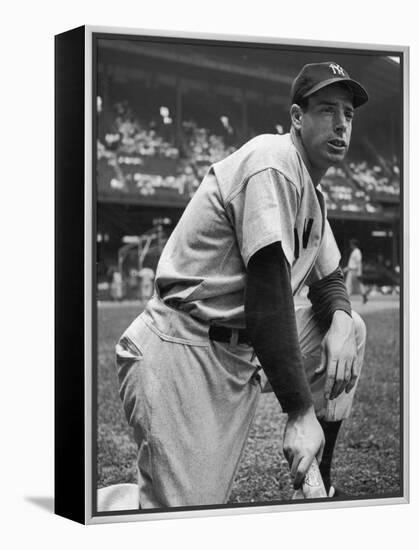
316,173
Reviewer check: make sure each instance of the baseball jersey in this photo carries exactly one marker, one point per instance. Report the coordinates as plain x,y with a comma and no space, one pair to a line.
260,194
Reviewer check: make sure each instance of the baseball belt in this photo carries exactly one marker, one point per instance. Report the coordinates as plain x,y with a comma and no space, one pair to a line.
225,334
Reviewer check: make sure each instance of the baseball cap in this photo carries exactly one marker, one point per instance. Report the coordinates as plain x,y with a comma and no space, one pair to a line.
315,76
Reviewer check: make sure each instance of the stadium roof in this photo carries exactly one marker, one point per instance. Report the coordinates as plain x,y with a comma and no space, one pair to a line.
276,65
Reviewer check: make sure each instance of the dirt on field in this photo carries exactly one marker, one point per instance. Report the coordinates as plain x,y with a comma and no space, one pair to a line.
367,459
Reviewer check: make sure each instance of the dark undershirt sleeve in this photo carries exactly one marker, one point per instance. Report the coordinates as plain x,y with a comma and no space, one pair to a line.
327,296
270,320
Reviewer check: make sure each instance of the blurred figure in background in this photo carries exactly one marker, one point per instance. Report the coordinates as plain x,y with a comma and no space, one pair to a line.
117,289
354,272
146,275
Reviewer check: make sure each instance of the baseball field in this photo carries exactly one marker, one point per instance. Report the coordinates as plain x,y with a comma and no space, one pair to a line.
367,458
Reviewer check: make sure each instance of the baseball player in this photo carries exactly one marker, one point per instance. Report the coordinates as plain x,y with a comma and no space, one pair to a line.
222,325
354,272
146,276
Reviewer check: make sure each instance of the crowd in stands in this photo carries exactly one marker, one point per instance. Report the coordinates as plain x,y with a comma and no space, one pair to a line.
128,135
377,179
143,157
144,160
342,193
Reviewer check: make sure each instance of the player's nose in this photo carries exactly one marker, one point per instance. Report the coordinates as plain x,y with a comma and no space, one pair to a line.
341,123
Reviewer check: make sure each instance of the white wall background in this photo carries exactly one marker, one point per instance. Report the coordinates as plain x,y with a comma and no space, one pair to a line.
26,300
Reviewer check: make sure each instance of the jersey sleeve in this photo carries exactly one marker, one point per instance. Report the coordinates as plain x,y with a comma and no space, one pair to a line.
328,257
264,212
271,323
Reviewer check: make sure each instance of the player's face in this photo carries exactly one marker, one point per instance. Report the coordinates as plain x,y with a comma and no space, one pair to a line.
326,126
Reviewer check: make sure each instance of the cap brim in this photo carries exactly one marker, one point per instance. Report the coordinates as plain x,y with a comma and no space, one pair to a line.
360,95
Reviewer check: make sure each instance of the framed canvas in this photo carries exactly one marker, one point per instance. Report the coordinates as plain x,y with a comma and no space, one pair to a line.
176,155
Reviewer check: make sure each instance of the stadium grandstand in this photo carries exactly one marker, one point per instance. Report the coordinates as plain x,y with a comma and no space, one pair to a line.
167,110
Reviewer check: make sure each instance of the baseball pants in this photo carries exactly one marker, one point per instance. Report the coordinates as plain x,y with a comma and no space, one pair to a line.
191,402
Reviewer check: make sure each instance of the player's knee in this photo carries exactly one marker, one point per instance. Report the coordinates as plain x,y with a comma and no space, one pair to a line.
360,328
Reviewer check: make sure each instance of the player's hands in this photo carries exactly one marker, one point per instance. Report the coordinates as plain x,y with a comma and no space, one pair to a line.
303,441
339,356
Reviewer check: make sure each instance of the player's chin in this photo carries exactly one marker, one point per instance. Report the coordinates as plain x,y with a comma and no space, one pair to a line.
335,158
335,154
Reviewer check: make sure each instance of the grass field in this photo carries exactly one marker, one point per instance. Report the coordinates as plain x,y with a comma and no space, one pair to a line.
367,458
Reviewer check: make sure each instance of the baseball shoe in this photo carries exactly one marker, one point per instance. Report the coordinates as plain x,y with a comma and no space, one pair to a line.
334,492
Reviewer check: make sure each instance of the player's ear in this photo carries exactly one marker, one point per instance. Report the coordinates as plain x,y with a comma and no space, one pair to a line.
296,116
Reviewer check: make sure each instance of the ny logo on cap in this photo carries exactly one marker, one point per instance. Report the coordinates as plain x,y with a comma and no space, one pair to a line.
337,69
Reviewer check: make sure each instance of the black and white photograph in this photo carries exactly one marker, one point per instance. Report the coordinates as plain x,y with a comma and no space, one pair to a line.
209,273
248,274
